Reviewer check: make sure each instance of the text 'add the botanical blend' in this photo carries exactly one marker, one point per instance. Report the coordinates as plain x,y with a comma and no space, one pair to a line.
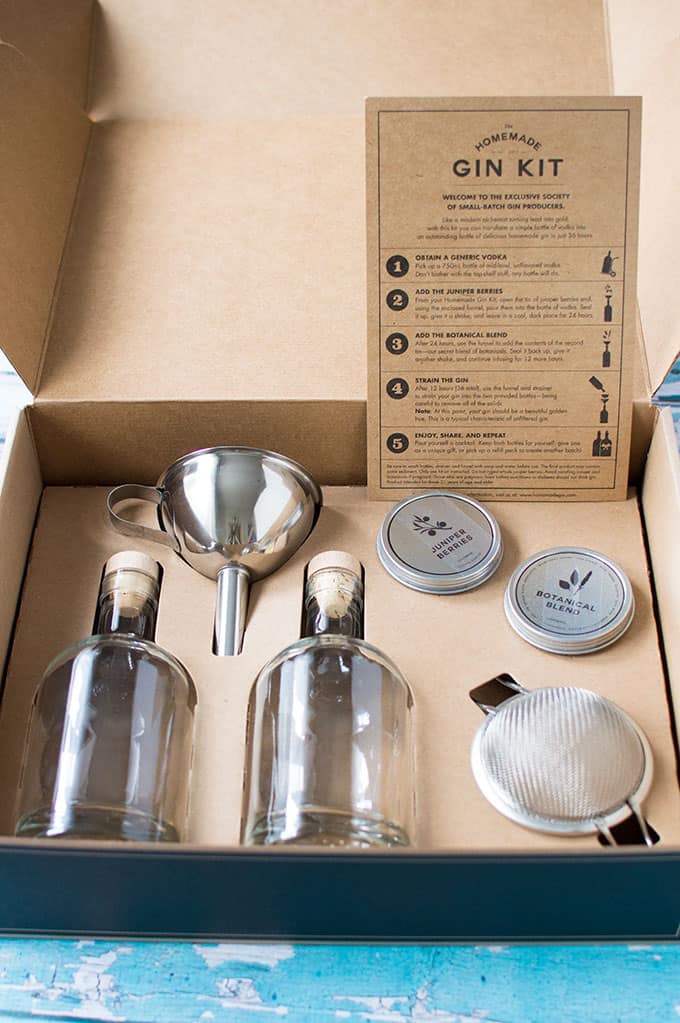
502,242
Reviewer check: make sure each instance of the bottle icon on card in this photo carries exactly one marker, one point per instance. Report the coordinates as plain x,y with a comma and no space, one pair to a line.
608,264
606,354
608,311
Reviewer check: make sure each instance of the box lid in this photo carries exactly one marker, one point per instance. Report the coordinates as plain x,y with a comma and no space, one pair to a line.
202,236
43,140
55,36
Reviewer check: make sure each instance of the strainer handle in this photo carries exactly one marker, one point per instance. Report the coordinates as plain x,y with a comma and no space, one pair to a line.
633,830
497,690
137,492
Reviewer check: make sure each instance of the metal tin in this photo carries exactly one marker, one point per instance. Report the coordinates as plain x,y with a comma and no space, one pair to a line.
440,542
569,600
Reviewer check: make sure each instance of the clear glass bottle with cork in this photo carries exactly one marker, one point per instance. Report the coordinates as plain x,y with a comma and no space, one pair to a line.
110,741
329,745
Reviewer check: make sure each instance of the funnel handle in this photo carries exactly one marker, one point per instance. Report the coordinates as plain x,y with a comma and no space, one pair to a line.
233,586
137,492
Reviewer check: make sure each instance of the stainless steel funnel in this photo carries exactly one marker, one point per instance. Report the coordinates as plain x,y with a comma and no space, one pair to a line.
234,514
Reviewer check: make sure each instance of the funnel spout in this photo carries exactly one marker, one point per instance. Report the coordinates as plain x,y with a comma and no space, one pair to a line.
233,586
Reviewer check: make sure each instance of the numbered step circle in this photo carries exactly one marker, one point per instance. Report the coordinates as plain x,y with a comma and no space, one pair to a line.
397,299
397,266
397,387
396,344
397,443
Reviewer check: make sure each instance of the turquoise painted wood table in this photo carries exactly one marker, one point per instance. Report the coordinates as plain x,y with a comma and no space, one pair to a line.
56,980
174,983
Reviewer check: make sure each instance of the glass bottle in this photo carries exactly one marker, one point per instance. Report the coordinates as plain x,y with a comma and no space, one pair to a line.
329,745
110,741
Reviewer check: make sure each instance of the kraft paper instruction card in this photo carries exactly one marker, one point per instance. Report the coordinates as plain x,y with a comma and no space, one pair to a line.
502,246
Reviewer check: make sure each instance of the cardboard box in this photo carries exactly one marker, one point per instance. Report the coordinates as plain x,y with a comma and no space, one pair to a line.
186,268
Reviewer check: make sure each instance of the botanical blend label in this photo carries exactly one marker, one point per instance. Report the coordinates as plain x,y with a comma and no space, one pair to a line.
502,241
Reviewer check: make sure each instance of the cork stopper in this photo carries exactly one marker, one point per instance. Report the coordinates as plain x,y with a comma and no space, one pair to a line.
334,595
132,570
132,561
334,559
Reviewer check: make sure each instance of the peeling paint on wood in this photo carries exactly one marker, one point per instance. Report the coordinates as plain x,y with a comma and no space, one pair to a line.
141,982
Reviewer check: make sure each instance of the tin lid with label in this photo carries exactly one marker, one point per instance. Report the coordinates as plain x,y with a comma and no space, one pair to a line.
569,600
440,542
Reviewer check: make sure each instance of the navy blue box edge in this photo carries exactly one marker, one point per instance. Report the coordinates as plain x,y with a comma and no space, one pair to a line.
182,893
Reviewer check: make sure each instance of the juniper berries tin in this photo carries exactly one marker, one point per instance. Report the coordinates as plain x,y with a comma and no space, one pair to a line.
440,542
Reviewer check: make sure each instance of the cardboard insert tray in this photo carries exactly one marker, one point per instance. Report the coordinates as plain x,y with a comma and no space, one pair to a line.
184,267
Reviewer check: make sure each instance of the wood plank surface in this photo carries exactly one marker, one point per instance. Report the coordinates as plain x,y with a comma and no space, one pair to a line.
138,982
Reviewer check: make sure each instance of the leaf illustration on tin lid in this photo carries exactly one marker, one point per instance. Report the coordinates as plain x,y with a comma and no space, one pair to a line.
422,524
574,577
564,584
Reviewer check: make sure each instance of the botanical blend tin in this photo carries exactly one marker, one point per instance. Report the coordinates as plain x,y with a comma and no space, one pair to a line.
569,600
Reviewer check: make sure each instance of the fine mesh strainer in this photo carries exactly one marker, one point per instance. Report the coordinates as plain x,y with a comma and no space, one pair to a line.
561,760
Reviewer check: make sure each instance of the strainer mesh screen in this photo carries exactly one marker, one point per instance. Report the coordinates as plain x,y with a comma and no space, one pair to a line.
562,754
